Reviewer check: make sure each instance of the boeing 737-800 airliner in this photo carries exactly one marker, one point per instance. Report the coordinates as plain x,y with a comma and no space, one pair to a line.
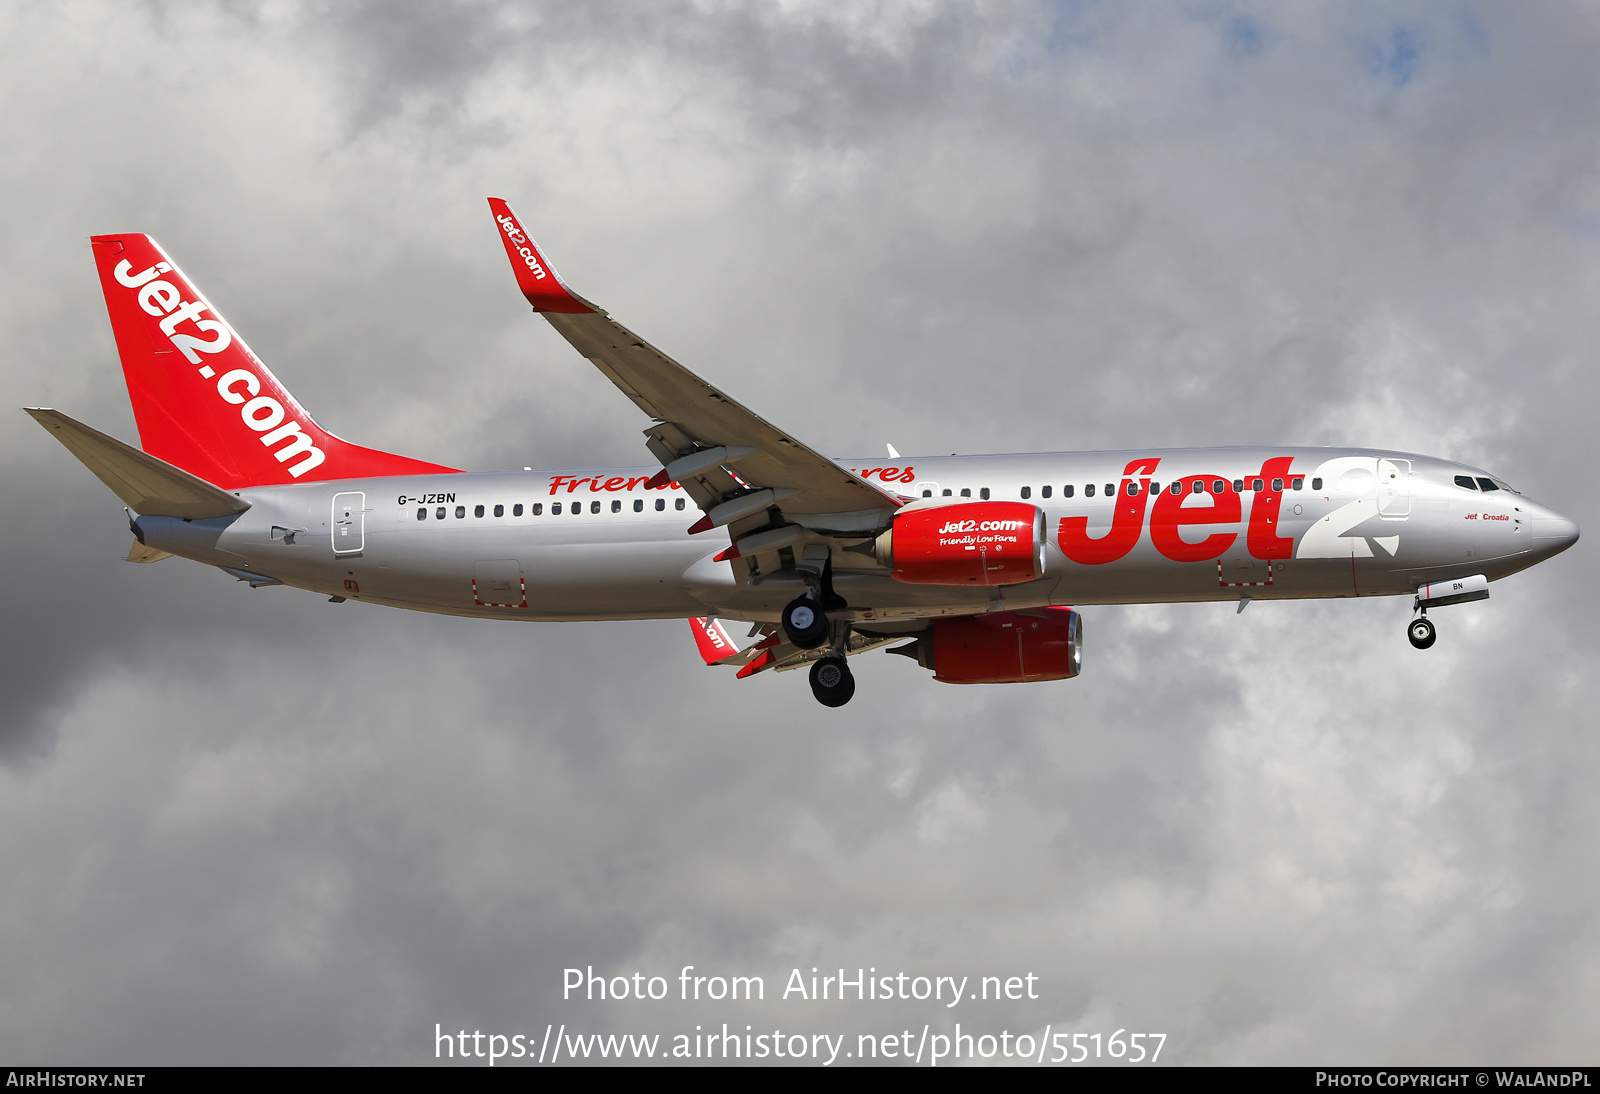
976,564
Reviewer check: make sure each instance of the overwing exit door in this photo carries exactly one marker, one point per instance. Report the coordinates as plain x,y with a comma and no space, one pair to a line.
349,522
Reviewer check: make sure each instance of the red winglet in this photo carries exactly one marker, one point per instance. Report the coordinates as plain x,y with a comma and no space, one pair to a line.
757,665
536,278
701,525
712,639
658,480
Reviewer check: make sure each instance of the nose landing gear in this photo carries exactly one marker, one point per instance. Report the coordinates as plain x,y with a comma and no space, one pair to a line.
1421,631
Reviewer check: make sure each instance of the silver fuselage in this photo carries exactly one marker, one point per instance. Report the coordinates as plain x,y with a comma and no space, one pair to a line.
1381,523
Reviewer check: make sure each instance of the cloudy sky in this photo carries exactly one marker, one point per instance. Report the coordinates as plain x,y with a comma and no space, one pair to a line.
254,827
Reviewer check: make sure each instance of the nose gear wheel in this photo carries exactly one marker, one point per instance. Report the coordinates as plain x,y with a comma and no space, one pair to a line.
1421,632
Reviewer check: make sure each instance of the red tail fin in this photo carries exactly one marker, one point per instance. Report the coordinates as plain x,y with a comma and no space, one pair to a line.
202,400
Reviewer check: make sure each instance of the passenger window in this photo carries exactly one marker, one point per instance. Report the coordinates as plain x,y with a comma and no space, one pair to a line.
461,511
661,503
439,515
1316,484
1088,491
1175,488
927,493
1197,487
1255,484
555,508
966,491
616,506
1466,481
1110,489
1238,486
1297,483
1155,487
499,510
1218,486
1277,484
1044,492
422,514
1066,491
678,505
1027,492
638,505
1487,485
477,510
946,493
516,510
984,493
537,509
1133,489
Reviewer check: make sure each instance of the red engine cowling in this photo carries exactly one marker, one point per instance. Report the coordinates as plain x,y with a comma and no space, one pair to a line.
970,543
1002,647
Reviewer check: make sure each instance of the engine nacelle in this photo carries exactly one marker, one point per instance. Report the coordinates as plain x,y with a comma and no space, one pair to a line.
969,543
1002,647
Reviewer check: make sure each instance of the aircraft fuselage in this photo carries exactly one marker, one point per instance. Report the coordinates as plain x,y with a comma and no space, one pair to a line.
1265,523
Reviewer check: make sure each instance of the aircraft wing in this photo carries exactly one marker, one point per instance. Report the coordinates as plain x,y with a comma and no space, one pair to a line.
734,463
773,652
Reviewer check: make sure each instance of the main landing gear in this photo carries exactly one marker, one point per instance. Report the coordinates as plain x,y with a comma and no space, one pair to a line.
1421,631
804,623
806,626
832,681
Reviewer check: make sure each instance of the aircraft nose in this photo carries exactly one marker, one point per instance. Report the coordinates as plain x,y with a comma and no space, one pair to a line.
1552,532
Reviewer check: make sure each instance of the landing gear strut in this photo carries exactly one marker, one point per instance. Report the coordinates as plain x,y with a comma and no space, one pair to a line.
832,682
1421,631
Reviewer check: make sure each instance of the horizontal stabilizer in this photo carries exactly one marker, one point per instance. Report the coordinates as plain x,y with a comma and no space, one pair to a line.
146,485
140,553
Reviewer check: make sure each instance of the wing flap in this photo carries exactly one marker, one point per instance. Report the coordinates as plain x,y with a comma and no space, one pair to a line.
774,652
148,486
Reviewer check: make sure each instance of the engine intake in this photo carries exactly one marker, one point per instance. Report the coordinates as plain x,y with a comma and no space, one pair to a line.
1001,647
970,543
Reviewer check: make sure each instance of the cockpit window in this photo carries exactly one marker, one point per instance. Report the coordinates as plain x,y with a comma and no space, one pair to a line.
1466,481
1486,484
1502,484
